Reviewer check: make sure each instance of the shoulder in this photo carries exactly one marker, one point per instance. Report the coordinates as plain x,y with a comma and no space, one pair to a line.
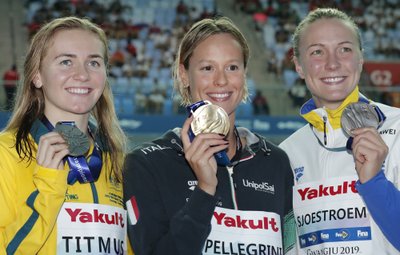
301,136
392,113
7,142
260,144
156,151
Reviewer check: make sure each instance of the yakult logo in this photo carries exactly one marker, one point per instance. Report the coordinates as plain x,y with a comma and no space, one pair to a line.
264,186
325,191
79,216
267,223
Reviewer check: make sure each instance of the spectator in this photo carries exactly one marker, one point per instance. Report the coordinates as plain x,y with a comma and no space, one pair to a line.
260,104
10,81
298,93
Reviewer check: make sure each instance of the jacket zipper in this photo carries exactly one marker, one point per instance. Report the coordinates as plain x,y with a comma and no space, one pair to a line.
325,138
232,185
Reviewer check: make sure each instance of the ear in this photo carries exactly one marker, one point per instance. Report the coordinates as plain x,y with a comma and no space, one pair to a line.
360,64
183,76
299,68
37,81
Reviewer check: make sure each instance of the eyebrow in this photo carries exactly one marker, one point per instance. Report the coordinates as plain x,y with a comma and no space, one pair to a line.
74,56
320,44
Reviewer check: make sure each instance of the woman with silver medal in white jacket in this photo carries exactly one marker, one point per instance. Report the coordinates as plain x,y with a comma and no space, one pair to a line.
346,194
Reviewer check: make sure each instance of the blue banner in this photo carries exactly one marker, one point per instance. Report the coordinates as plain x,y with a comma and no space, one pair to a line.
156,124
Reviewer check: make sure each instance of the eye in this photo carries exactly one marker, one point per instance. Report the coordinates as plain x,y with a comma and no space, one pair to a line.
206,68
94,63
66,62
317,52
233,68
346,49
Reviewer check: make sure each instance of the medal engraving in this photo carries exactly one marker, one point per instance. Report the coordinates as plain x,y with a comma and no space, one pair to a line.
78,142
359,115
210,118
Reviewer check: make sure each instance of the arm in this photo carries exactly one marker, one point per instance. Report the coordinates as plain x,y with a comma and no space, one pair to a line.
289,224
31,196
26,226
382,199
156,232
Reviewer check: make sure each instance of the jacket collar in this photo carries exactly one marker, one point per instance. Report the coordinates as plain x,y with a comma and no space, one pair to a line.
318,117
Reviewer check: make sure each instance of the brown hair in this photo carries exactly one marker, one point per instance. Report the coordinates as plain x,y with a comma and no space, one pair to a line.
200,31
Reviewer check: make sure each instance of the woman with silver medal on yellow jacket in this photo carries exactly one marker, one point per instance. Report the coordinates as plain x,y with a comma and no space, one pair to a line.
62,150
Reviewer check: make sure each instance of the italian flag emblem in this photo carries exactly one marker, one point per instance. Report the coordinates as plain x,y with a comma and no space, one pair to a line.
133,211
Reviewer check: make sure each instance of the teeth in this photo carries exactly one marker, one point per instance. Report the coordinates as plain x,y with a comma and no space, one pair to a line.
333,79
78,90
219,95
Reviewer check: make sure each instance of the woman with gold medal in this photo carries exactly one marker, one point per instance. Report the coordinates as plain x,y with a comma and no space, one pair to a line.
210,187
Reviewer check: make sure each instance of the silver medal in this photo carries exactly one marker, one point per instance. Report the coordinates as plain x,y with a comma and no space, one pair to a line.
359,115
78,142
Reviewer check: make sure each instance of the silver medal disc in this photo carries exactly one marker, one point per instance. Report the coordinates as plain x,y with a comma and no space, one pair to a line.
359,115
78,142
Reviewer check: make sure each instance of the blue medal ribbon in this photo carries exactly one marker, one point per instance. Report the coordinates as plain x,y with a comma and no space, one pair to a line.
80,169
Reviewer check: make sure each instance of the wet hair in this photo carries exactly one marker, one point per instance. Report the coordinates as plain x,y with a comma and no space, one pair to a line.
323,13
31,104
199,32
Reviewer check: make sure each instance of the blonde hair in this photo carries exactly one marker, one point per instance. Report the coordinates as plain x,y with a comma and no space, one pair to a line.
323,13
199,32
30,100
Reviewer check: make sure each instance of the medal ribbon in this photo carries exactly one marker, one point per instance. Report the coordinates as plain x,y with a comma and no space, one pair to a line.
80,169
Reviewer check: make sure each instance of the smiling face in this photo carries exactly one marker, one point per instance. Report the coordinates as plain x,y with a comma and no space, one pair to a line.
329,60
216,72
72,74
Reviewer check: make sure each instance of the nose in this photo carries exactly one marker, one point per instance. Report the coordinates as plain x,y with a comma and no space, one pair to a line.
332,62
81,72
220,78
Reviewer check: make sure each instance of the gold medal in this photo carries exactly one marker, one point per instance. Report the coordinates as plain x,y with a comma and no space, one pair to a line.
210,118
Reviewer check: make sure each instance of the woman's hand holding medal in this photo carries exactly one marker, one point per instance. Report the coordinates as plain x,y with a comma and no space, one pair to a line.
52,149
360,121
206,142
55,146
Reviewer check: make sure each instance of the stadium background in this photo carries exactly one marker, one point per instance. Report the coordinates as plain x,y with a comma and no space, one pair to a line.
144,34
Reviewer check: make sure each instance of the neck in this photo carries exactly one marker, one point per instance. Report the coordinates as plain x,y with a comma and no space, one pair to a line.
81,121
234,143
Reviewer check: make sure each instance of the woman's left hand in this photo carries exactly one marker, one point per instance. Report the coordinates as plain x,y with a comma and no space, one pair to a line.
200,155
369,151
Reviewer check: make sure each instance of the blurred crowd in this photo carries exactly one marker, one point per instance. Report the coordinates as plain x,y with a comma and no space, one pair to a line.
144,35
143,38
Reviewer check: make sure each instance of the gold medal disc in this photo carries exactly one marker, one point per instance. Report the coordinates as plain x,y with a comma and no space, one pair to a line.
210,118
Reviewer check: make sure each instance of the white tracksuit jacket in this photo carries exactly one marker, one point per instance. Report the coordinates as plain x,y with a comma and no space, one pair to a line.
334,212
